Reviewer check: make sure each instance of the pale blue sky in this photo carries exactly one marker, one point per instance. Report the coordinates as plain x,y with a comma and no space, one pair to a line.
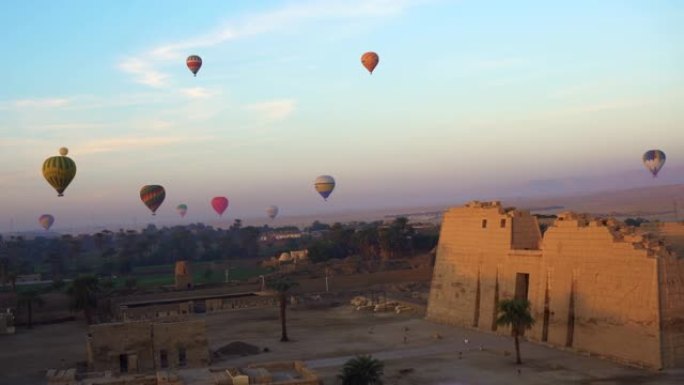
471,98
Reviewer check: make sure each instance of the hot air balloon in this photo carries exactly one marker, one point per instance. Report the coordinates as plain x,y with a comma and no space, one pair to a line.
59,171
370,60
152,196
182,209
220,204
272,211
324,184
194,63
654,161
46,220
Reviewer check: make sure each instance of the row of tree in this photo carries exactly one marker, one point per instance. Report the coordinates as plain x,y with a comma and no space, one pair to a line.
372,240
106,253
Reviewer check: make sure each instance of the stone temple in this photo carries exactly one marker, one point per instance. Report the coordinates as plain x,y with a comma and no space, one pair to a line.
594,285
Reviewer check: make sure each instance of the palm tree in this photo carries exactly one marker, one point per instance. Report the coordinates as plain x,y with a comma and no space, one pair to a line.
362,370
28,298
282,285
516,313
83,292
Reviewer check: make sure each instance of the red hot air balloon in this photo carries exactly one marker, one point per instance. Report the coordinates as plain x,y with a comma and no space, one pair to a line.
370,60
220,204
194,63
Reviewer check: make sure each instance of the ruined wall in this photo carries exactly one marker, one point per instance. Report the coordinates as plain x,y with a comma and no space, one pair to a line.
177,337
672,310
672,293
603,292
106,342
139,344
593,285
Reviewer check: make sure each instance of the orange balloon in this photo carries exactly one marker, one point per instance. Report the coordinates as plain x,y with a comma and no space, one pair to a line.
369,60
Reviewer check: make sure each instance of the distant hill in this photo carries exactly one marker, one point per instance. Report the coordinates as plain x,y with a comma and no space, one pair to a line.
658,202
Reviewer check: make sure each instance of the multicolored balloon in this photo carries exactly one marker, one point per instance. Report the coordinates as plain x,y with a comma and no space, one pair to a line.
194,63
220,204
272,211
324,185
59,171
46,221
182,209
370,60
152,196
654,161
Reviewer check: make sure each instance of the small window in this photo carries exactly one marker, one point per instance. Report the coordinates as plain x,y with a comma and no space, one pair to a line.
503,223
484,223
163,359
182,358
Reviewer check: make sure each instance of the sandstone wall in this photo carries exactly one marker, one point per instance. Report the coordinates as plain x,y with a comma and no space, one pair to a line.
471,244
593,285
106,342
142,343
173,337
603,293
672,310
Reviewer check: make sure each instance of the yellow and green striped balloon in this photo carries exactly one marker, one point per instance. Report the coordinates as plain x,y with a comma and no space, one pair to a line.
59,171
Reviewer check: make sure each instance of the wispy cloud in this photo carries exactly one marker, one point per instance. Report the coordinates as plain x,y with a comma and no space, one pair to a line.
135,143
199,92
499,63
293,14
35,103
160,124
143,66
72,126
274,110
610,105
572,91
601,106
144,72
20,143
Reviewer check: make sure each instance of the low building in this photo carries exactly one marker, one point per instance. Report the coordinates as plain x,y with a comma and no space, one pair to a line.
294,256
183,306
594,285
139,347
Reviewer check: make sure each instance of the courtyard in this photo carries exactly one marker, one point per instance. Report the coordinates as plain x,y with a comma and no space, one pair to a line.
415,351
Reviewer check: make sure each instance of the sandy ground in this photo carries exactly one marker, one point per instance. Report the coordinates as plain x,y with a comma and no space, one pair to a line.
326,338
